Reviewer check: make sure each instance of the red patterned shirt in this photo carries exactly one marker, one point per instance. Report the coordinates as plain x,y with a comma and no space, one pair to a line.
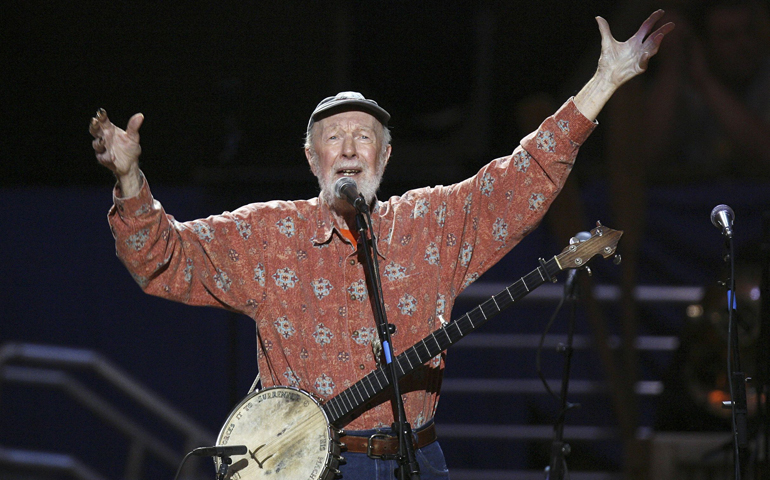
287,266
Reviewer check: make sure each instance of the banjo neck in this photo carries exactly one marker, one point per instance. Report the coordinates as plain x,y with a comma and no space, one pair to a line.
339,408
342,408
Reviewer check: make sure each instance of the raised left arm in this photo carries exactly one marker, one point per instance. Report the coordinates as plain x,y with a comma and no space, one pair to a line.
619,62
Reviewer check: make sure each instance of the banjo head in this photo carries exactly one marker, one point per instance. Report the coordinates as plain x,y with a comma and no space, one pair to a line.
287,436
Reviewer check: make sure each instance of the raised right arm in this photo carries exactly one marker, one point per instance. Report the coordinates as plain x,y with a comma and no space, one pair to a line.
189,262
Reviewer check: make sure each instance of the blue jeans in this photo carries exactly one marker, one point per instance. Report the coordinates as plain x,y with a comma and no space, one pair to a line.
359,466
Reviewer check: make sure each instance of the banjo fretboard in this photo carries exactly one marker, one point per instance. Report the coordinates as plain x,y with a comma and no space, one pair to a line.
351,399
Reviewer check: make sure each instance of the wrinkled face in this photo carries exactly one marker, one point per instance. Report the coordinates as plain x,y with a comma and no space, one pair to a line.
348,144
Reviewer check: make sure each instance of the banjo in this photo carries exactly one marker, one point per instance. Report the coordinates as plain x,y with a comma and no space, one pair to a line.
291,435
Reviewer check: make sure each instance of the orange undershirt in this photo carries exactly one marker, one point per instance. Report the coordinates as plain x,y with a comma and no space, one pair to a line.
349,235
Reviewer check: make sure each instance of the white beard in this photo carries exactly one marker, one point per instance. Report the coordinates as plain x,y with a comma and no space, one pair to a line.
367,183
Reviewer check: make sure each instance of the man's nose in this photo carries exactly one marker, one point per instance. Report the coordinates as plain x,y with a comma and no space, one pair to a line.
349,146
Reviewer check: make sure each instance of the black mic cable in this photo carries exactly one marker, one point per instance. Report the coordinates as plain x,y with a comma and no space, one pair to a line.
568,293
723,217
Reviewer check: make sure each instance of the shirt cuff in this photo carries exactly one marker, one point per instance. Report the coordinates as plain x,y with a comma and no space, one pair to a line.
132,206
574,124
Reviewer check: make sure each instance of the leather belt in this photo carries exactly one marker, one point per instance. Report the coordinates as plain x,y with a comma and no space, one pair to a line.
382,445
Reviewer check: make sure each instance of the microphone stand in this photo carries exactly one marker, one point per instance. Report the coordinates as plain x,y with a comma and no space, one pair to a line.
408,468
737,378
224,466
763,354
220,451
559,449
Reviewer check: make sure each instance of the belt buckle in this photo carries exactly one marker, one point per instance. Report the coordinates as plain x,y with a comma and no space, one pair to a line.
370,447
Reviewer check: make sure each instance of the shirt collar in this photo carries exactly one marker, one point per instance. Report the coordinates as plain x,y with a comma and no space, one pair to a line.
324,223
325,226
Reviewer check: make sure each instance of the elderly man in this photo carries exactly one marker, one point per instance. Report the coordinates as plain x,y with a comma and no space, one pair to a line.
294,267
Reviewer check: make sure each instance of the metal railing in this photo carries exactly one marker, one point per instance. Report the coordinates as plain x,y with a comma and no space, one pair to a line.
645,389
142,442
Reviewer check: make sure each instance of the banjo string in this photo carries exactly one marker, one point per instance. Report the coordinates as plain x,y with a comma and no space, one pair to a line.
297,430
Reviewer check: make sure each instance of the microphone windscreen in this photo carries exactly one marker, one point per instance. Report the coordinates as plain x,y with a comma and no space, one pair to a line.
341,183
583,236
719,209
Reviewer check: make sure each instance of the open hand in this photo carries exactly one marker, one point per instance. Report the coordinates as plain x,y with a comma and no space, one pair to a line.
115,148
621,61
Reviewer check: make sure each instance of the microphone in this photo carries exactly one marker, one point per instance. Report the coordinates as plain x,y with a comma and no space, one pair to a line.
346,189
220,451
580,237
569,282
722,217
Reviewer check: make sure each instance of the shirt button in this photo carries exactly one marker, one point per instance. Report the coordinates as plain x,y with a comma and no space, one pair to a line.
361,366
352,262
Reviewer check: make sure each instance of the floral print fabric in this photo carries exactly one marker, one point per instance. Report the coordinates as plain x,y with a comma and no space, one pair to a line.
287,266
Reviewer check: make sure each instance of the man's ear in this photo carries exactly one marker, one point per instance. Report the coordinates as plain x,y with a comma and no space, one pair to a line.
387,154
310,162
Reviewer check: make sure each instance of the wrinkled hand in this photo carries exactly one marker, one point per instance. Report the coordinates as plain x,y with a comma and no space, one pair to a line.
115,148
620,62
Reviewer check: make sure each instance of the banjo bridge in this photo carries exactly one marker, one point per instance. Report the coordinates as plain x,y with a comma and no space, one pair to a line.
253,455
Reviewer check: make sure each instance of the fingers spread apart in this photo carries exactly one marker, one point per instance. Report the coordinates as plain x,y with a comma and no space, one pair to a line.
652,42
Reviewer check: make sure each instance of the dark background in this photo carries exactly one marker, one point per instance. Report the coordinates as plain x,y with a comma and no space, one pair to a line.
207,73
190,69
